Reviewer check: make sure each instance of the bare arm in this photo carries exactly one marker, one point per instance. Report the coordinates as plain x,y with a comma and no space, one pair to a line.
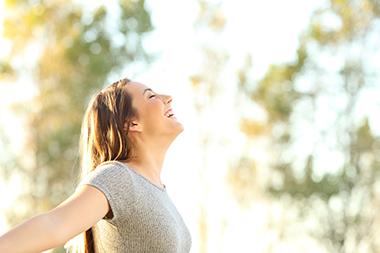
51,229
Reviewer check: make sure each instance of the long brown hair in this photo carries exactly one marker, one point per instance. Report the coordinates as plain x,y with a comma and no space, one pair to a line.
103,136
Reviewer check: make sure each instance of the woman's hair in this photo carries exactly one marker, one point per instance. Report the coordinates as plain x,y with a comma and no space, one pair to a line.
103,136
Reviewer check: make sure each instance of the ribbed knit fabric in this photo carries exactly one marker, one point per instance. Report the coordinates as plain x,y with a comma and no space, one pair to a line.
144,217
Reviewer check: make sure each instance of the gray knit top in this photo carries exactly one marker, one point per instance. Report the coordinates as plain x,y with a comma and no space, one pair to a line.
143,217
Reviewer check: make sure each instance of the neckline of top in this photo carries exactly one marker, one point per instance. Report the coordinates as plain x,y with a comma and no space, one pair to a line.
146,179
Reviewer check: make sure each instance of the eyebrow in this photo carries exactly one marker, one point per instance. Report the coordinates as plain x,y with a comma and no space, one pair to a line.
147,90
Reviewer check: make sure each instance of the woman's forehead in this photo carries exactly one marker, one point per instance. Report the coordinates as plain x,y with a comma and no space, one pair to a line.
136,87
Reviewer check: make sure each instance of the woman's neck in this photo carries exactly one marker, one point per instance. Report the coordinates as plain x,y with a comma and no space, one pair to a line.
148,163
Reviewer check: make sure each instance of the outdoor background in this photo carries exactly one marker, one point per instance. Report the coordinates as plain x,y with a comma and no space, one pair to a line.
280,101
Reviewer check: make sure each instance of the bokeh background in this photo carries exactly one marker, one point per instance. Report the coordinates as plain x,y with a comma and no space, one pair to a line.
280,101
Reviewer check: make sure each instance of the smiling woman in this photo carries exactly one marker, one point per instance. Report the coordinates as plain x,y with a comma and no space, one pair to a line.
154,109
121,204
169,113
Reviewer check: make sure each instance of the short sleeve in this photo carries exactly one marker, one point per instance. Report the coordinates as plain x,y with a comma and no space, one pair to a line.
111,180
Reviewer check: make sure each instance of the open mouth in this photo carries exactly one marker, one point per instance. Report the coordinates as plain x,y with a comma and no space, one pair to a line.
169,114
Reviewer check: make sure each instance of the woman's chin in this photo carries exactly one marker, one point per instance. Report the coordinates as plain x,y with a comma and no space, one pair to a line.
179,128
175,125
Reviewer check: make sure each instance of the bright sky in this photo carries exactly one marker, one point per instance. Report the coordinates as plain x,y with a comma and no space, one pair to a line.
268,30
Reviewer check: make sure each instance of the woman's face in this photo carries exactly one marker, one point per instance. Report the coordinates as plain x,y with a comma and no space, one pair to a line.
153,111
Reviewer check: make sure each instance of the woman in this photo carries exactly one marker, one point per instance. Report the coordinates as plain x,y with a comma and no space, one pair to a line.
120,203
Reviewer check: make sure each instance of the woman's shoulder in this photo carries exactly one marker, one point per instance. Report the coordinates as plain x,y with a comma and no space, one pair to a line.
111,166
114,180
109,171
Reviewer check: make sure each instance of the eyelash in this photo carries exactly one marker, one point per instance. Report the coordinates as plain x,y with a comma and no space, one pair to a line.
152,96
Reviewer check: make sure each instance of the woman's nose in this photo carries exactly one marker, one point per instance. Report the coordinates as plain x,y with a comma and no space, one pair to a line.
166,98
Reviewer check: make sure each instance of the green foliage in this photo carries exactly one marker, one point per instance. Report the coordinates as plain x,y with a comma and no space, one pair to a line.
341,29
5,69
308,186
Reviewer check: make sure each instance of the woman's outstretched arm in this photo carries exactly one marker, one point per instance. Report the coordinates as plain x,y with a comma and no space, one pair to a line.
51,229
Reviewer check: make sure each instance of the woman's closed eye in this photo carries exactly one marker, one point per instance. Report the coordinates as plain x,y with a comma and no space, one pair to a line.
151,96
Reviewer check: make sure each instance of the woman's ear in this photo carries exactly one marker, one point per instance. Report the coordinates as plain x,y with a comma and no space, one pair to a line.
134,126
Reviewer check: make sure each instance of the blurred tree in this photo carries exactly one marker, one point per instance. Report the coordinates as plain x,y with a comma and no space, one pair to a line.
206,90
326,155
69,53
6,161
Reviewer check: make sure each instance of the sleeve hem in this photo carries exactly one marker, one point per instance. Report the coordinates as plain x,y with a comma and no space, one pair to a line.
114,209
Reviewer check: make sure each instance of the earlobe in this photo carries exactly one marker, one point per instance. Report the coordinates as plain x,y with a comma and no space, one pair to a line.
134,127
